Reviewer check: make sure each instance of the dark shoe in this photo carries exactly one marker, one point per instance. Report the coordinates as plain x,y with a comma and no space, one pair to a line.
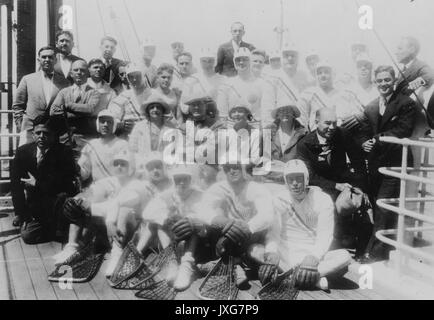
17,222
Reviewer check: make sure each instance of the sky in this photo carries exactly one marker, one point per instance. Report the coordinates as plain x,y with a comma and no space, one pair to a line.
326,26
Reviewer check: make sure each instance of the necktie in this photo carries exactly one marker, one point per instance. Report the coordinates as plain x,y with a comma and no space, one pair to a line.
40,157
326,152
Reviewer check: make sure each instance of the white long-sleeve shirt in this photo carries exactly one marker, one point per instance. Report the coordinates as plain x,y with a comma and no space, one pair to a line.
302,227
252,205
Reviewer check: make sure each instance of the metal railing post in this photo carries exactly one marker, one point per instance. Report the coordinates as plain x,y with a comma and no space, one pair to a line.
401,217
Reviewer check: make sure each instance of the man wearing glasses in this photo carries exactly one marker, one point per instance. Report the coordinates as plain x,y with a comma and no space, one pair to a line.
392,114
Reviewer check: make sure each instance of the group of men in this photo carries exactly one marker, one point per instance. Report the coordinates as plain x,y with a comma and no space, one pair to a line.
94,136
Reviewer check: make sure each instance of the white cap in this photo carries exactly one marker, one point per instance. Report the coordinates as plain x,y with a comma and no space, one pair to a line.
207,53
296,166
323,63
289,47
363,56
106,113
132,67
275,54
242,52
181,169
127,156
148,47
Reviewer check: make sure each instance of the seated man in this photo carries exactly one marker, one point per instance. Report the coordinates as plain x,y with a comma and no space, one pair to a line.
97,155
99,200
303,231
42,174
325,152
165,209
234,213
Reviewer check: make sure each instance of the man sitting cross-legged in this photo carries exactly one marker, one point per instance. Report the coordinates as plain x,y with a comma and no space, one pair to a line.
100,200
234,213
303,232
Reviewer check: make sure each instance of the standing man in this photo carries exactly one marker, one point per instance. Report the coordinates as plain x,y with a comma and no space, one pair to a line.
108,49
77,102
149,70
40,172
36,93
416,73
225,53
96,81
364,88
183,70
392,114
64,45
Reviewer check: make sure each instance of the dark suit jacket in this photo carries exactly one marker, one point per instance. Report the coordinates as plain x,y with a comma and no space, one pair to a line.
58,67
111,75
398,121
30,100
326,175
225,58
417,69
55,174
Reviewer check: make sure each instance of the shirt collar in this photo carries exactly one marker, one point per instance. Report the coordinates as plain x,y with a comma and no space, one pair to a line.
95,85
321,140
409,63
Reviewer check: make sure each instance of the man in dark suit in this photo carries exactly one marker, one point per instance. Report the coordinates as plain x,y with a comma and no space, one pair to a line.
225,53
64,45
392,114
325,152
42,174
108,49
36,93
415,73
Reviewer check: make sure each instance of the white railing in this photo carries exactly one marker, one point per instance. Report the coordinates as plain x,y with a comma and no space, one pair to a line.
404,176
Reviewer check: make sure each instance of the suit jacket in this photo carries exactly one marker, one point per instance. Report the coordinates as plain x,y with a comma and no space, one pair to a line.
416,69
290,151
55,174
397,121
326,175
111,75
30,100
81,112
58,67
225,58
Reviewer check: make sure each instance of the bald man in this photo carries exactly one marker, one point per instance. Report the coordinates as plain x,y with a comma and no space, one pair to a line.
225,53
77,102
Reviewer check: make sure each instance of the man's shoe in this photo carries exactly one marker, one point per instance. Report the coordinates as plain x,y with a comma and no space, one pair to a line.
185,273
68,251
323,284
115,255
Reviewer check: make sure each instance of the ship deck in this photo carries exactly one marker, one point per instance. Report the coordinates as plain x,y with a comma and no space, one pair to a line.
24,270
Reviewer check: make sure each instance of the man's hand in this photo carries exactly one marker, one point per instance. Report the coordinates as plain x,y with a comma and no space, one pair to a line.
128,125
368,145
30,182
307,275
268,271
114,233
185,227
342,186
417,83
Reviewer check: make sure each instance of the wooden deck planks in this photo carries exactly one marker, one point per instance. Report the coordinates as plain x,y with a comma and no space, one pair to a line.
28,266
19,277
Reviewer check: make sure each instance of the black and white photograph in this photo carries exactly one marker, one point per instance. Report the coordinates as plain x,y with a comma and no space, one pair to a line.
216,153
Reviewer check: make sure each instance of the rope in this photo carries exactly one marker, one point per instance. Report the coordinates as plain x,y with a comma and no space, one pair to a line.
131,22
101,17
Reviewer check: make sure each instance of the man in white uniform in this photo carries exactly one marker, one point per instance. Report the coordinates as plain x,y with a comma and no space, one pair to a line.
303,231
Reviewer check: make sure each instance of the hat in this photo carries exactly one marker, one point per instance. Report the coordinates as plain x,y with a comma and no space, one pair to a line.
289,47
132,67
155,99
294,109
359,45
242,52
240,103
296,166
195,96
324,64
128,157
363,56
148,48
206,53
181,169
275,54
109,114
176,44
312,53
